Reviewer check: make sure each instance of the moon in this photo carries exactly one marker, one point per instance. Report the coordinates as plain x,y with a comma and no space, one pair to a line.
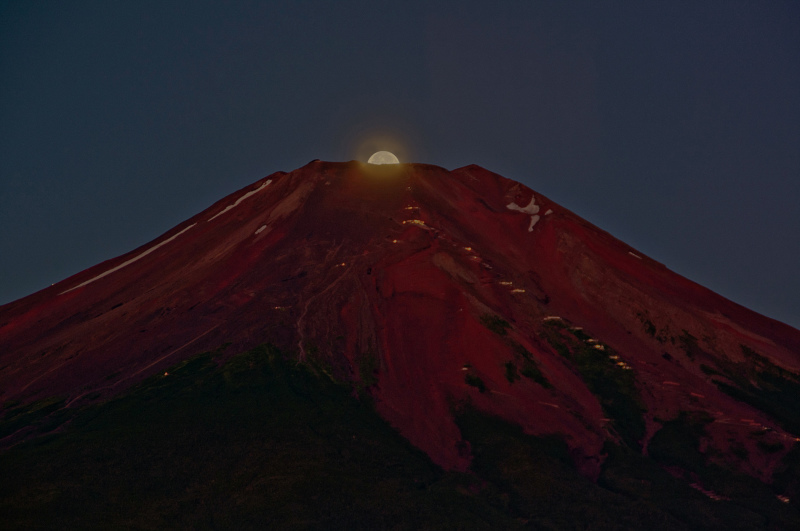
383,157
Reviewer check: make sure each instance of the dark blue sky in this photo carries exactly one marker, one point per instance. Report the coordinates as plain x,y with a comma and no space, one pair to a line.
673,125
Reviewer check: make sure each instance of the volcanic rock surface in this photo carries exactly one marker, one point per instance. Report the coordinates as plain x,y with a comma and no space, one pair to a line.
426,288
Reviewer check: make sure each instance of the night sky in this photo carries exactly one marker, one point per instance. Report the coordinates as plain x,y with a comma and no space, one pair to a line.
673,125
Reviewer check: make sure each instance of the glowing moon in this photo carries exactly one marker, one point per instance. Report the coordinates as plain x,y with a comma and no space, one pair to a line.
383,157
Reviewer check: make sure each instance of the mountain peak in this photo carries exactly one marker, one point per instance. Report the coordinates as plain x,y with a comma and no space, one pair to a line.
427,288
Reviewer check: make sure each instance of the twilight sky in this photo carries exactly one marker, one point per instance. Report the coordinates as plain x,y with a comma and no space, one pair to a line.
674,125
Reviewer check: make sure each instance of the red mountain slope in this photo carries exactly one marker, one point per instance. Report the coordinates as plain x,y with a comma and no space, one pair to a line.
430,288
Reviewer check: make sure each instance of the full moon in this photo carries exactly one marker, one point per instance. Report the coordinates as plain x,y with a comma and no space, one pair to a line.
383,157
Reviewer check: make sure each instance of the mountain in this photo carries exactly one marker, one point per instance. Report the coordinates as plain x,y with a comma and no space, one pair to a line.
438,298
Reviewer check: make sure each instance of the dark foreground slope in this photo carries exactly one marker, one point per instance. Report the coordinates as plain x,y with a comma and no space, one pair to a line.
263,442
432,293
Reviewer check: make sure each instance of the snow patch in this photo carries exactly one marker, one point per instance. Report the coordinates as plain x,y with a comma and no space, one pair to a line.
532,209
261,228
548,212
132,260
634,255
244,196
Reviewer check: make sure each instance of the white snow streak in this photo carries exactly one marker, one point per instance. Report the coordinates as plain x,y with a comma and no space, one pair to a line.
245,196
132,260
532,209
262,227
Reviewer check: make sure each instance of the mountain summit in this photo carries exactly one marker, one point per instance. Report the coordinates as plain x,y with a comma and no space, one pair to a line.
427,291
